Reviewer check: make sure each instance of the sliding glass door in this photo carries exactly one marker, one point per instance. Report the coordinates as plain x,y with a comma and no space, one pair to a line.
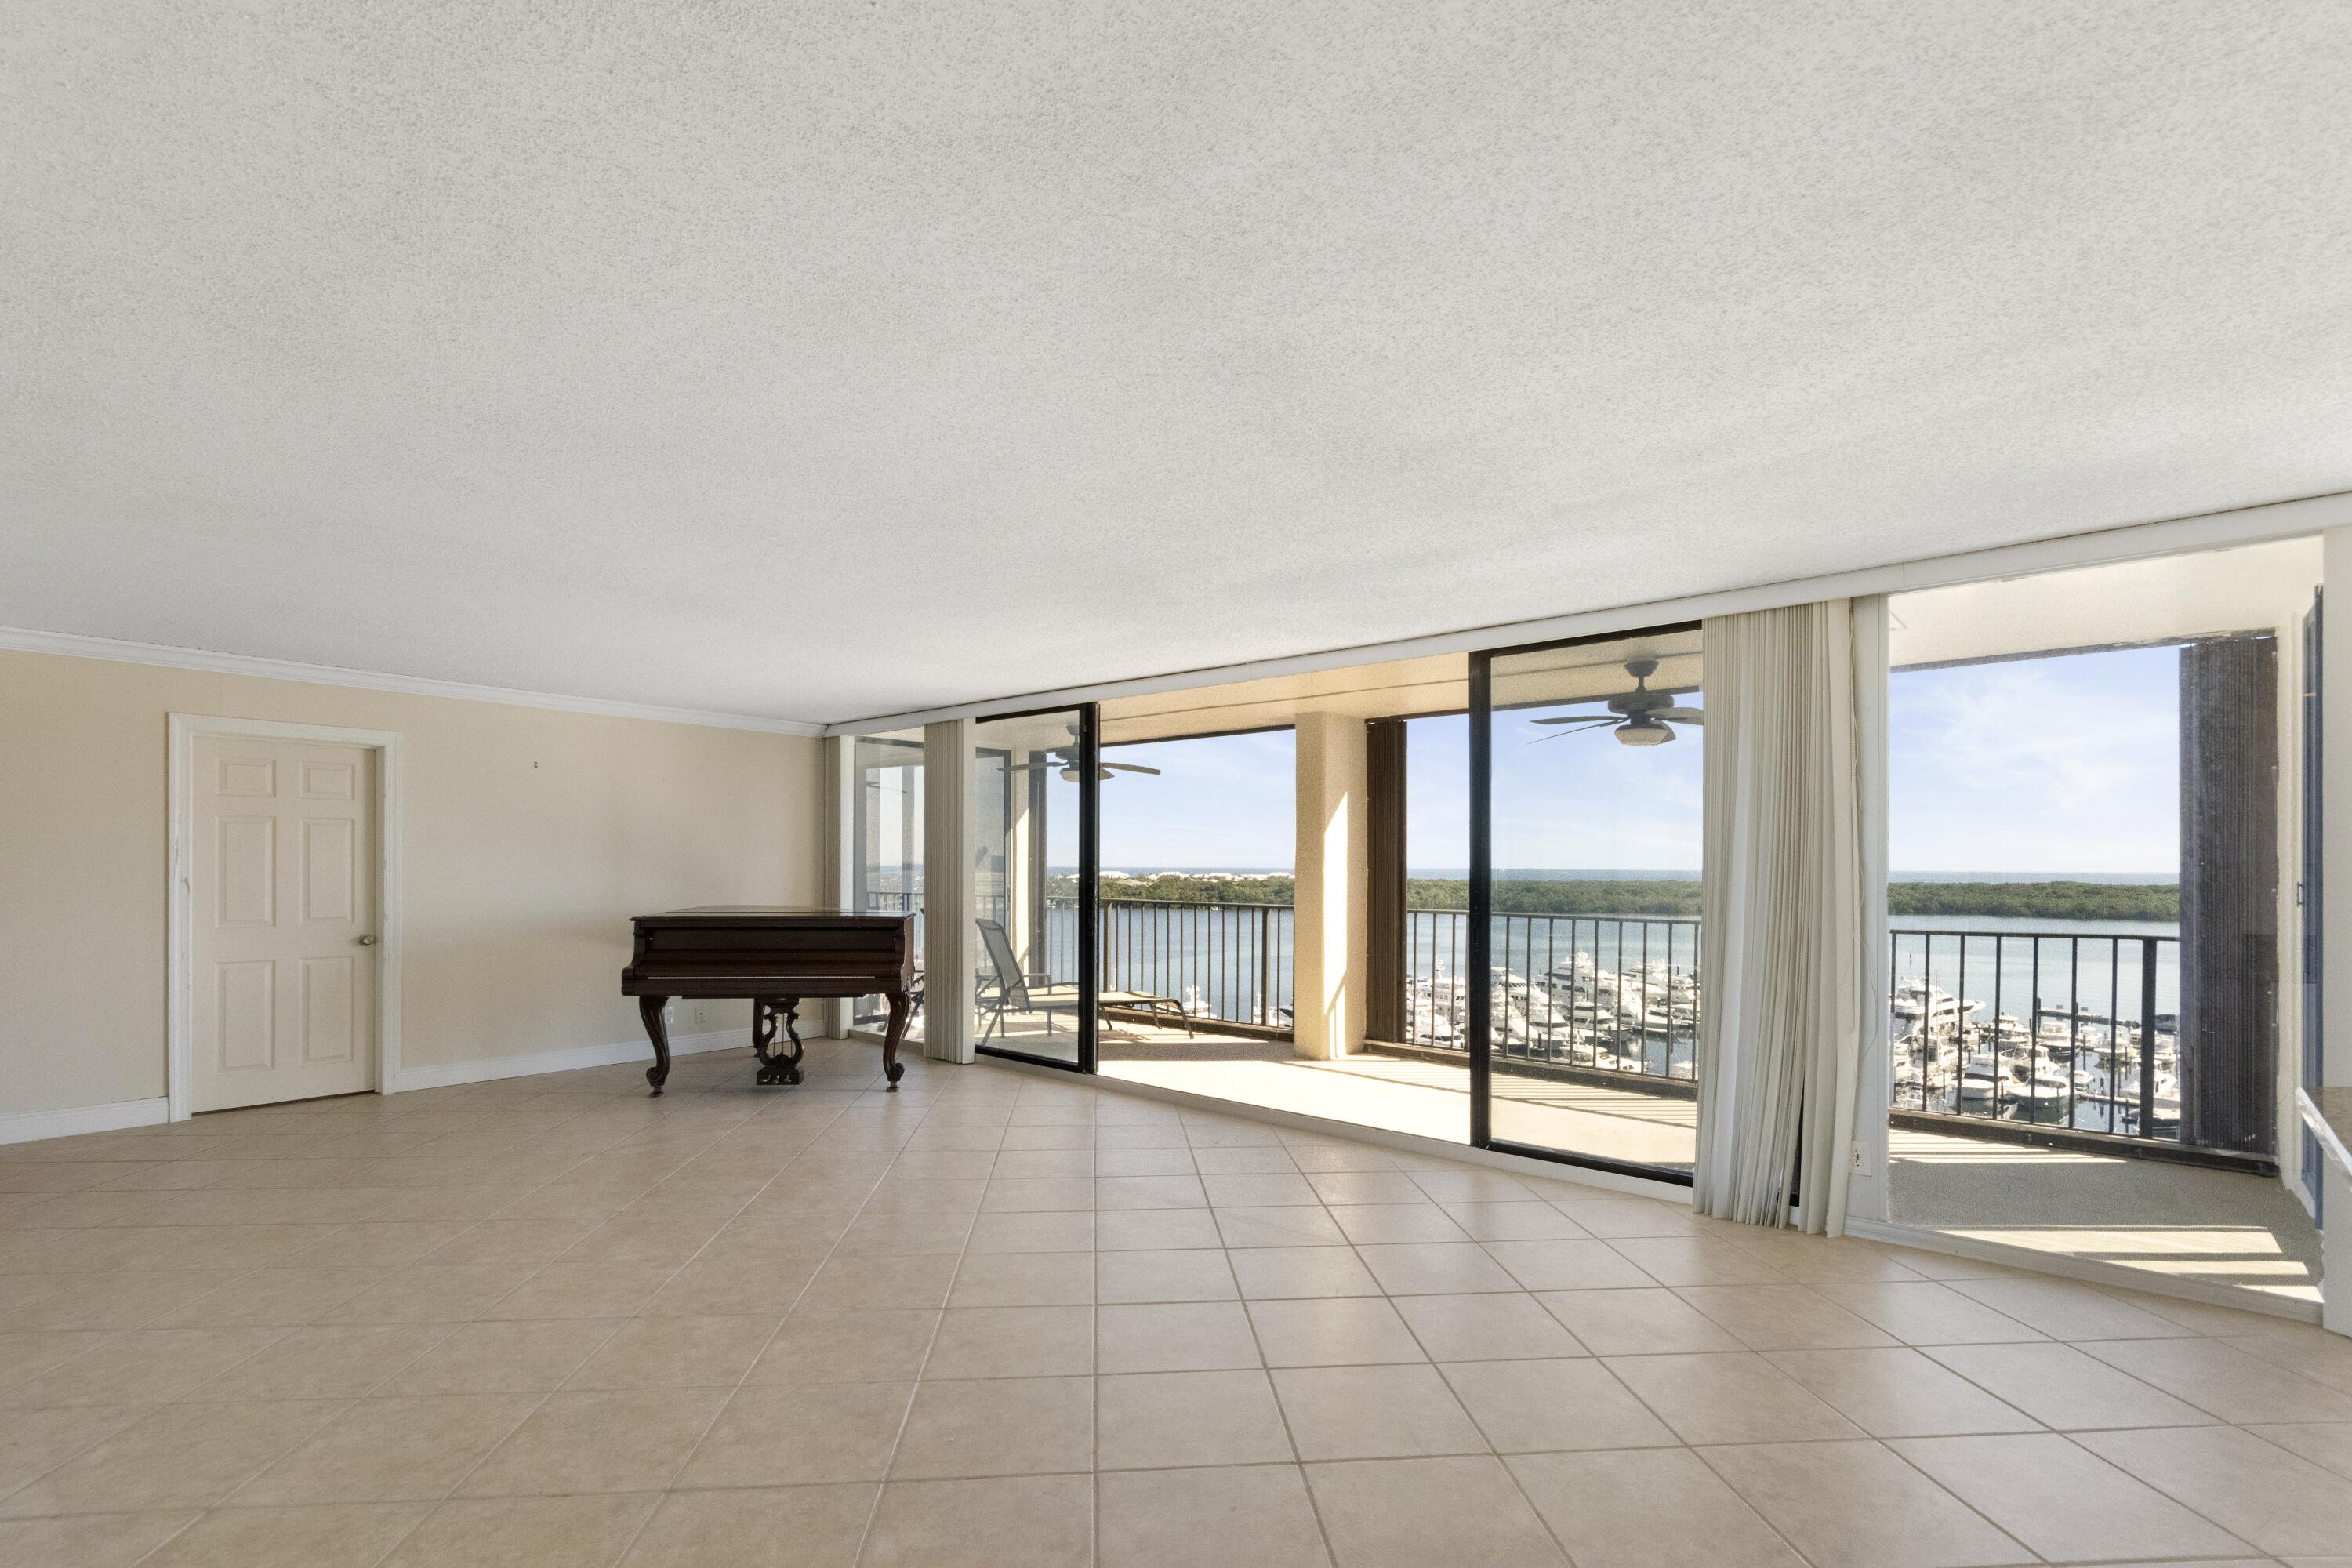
886,871
1032,868
1586,836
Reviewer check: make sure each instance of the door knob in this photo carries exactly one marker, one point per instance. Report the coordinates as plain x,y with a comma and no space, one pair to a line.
367,942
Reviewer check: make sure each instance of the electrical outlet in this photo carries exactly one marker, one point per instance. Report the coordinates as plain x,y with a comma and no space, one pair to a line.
670,1013
699,1016
1858,1161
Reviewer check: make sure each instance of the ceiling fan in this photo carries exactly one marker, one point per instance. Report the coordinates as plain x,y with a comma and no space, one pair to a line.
1065,760
1641,717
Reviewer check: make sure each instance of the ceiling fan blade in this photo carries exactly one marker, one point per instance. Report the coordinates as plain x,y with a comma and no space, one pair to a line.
1132,767
1619,699
1679,715
1611,722
1581,719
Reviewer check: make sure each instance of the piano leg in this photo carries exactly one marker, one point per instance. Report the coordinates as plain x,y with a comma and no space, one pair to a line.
650,1008
766,1012
899,1007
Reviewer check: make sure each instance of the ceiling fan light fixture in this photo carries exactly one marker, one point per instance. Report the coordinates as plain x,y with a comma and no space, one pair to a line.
1643,732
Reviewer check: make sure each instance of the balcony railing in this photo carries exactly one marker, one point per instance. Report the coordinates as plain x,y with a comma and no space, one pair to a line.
1611,993
2040,1028
1617,994
2045,1028
1224,962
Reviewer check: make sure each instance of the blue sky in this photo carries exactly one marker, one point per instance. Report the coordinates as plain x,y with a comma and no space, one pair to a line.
2038,764
2035,766
1226,802
1574,799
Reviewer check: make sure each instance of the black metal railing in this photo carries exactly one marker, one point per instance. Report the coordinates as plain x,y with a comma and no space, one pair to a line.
2046,1029
1609,994
2021,1026
1600,992
1223,962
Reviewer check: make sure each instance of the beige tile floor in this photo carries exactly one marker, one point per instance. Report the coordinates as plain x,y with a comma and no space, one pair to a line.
1427,1098
2214,1227
1000,1319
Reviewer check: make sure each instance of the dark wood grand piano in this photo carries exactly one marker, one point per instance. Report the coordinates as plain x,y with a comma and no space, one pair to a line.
775,956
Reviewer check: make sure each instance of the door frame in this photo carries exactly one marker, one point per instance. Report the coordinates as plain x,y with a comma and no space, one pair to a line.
1478,945
180,1033
1090,763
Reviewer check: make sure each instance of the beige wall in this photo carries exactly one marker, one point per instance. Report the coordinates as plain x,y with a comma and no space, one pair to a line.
531,836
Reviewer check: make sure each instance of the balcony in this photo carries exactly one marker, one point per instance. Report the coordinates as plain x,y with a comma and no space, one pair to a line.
1584,1061
2034,1083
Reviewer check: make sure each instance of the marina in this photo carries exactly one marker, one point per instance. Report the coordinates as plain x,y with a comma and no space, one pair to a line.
2055,1024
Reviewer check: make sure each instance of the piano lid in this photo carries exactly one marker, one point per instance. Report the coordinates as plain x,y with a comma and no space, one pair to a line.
784,910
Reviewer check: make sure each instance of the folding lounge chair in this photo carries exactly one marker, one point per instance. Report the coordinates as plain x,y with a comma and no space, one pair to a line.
1009,989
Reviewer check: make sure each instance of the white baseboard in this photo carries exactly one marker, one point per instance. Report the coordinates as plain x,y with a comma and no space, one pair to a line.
34,1125
444,1075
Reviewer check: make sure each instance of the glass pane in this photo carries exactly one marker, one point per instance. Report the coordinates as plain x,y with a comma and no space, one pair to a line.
1025,885
888,872
1596,842
1437,887
1194,906
2097,823
2035,896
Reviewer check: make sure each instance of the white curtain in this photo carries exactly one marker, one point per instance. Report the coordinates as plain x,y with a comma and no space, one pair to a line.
1788,924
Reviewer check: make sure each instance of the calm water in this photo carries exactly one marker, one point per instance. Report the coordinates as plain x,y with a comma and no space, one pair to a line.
1998,964
1236,961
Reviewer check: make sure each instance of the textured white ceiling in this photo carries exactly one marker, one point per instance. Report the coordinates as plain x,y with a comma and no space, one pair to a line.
818,362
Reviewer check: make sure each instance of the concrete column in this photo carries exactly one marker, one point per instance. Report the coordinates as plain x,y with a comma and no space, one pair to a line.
1020,883
2336,913
1328,946
2229,893
2336,814
838,856
951,940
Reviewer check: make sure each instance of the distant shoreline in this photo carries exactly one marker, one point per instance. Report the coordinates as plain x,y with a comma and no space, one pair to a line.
2049,899
1546,874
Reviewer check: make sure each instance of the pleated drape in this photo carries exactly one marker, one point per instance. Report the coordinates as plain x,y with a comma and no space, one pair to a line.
1789,917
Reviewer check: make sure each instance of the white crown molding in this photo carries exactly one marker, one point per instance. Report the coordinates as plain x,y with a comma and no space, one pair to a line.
482,1070
72,645
2172,536
30,1127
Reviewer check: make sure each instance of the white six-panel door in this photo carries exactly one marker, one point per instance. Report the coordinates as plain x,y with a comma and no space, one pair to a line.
282,920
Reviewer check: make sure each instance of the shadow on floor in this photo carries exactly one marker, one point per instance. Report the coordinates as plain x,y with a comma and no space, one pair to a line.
2216,1227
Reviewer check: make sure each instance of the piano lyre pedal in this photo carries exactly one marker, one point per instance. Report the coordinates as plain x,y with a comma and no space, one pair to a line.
767,1012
